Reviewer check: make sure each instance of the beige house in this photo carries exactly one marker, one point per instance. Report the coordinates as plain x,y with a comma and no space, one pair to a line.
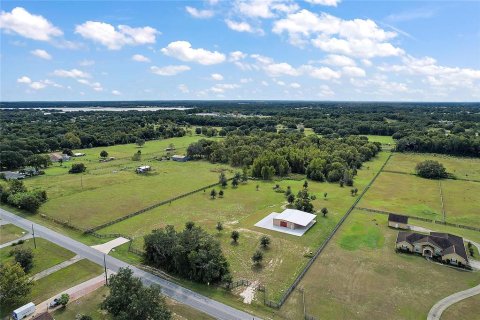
398,221
444,246
294,219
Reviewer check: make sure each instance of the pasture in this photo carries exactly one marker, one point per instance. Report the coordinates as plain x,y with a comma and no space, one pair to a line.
242,207
462,168
113,189
382,139
359,269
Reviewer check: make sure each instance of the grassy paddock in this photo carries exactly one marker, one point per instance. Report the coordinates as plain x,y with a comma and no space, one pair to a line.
87,305
382,139
462,202
465,168
463,310
45,256
352,282
240,209
10,232
405,194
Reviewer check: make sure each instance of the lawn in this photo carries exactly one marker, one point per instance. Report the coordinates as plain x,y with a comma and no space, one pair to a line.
90,305
10,232
406,194
462,202
63,279
464,168
87,305
46,255
240,209
360,276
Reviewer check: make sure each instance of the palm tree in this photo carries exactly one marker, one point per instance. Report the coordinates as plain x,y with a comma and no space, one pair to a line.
213,194
219,226
324,211
235,235
257,257
264,242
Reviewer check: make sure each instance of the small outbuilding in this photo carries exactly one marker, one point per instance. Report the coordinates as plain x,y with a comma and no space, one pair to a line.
398,221
79,154
143,169
179,158
57,157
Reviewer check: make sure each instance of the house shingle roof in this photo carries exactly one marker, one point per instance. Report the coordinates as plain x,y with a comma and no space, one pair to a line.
397,218
449,243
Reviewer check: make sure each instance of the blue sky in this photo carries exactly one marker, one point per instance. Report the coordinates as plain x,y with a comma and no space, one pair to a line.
239,49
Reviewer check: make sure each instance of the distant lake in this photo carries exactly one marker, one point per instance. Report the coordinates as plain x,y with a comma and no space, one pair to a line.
69,109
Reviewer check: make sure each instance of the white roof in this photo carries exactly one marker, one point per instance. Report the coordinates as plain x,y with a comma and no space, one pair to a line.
296,216
143,167
178,156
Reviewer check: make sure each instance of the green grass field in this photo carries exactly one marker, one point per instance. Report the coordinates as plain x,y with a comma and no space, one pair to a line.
464,168
46,255
10,232
404,194
240,209
87,305
81,198
63,279
382,139
355,274
462,202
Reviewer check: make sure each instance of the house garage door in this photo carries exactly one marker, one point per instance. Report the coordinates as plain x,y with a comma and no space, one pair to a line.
283,223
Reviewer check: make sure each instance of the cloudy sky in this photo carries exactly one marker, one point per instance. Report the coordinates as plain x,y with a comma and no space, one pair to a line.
239,49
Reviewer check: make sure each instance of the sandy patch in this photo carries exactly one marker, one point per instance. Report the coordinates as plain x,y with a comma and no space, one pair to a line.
249,293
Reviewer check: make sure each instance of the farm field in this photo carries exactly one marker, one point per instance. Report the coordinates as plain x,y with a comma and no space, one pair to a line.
462,202
240,209
46,255
404,194
463,168
80,199
382,139
10,232
358,269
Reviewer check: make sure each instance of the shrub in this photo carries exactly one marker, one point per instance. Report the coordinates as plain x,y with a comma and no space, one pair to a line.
77,168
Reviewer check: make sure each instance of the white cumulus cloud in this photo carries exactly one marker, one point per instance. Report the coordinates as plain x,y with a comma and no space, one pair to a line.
115,38
73,73
28,25
169,70
216,76
183,50
140,58
41,54
24,79
116,93
330,3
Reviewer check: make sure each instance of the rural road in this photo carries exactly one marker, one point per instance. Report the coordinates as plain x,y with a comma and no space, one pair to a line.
197,301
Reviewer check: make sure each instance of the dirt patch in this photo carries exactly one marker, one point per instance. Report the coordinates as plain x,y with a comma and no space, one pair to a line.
249,293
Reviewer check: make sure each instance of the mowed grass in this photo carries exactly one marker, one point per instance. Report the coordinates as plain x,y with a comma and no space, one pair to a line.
462,202
86,305
464,168
374,282
55,283
405,194
10,232
240,209
46,255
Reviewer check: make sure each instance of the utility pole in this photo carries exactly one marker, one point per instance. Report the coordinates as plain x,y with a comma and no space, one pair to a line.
33,234
105,266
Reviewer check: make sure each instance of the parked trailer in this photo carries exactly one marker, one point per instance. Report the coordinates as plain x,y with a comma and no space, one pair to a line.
24,311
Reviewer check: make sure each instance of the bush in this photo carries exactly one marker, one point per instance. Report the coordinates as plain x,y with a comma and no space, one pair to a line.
25,200
77,168
431,169
24,257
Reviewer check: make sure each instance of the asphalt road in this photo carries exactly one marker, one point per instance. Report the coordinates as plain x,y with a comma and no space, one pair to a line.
197,301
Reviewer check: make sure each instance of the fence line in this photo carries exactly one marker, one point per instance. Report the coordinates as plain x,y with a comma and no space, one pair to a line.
448,177
422,219
326,241
63,223
156,205
441,200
